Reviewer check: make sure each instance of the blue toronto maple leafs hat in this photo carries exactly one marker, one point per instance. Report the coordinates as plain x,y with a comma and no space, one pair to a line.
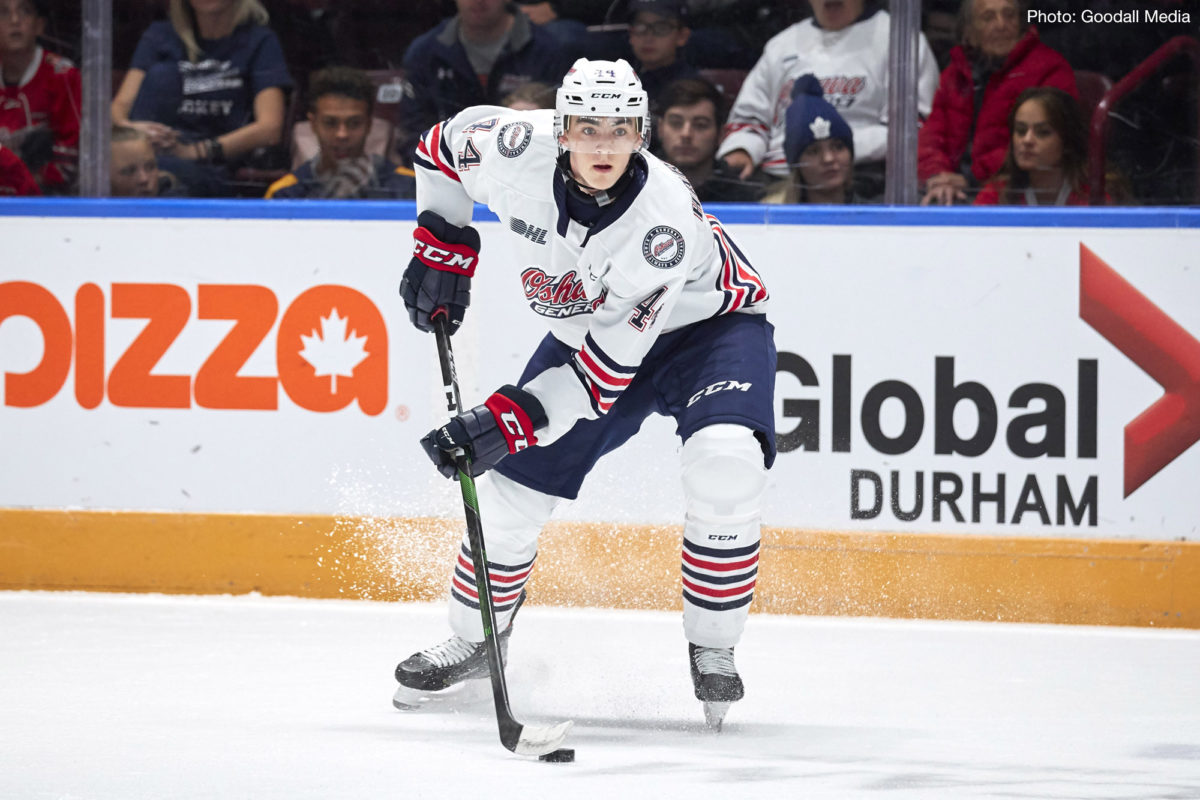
811,118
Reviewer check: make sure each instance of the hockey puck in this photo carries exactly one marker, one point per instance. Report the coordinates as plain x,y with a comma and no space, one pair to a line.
564,755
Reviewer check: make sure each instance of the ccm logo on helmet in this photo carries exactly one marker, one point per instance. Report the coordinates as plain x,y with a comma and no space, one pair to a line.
606,95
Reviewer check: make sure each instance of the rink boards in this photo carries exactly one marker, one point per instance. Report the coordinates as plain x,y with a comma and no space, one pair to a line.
980,414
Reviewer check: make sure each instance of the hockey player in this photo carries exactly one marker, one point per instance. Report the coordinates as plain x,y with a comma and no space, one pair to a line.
651,309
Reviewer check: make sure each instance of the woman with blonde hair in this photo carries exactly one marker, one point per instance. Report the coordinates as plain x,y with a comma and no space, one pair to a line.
207,87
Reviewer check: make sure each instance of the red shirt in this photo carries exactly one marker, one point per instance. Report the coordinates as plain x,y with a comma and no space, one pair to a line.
990,196
47,96
943,138
14,177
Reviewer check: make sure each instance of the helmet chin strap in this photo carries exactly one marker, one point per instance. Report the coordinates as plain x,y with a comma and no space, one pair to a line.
602,196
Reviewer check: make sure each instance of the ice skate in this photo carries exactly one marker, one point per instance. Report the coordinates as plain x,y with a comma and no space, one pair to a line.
439,670
716,681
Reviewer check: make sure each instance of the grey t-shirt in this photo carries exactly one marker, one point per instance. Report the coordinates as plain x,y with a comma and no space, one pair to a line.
483,55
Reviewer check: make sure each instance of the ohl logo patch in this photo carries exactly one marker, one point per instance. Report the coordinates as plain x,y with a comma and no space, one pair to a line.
663,247
531,232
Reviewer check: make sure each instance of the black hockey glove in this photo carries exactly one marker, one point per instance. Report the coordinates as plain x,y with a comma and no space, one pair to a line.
438,278
503,425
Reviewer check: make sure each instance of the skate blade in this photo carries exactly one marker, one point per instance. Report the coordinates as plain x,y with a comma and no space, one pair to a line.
539,740
461,694
714,714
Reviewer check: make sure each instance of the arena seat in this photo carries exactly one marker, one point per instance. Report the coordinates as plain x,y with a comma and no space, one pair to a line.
728,81
1092,88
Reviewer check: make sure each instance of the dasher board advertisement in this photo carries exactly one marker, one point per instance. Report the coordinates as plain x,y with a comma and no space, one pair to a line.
1039,379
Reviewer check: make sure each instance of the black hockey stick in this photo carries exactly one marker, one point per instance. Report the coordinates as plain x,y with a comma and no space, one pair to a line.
526,740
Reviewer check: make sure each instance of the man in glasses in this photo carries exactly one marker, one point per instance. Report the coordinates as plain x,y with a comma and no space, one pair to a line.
658,30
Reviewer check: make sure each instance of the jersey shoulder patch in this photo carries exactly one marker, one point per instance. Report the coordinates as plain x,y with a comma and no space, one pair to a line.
663,247
513,139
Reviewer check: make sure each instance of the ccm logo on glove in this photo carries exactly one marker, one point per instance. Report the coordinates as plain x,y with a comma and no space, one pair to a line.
514,429
438,277
435,253
503,425
515,424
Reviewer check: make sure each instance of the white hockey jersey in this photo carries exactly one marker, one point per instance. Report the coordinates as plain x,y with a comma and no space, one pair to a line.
852,66
653,263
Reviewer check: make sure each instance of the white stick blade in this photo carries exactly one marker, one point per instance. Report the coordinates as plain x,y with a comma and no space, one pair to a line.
539,740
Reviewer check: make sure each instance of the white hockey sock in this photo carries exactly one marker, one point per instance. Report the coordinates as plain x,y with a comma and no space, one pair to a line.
513,516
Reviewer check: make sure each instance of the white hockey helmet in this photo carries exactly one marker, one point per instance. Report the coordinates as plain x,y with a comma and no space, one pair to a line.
602,89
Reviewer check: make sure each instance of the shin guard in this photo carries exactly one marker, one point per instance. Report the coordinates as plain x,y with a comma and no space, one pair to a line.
724,478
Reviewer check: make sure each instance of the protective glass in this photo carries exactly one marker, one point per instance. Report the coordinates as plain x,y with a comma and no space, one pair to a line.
613,135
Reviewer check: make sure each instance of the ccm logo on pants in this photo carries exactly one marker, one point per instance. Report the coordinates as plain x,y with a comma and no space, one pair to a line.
719,386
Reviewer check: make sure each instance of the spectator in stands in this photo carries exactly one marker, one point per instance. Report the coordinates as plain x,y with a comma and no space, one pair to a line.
1046,162
530,97
819,146
340,107
963,142
569,33
15,178
689,128
133,167
658,30
939,23
208,87
845,45
39,98
476,57
724,34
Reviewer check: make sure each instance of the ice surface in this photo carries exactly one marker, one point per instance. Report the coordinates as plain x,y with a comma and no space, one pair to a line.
146,696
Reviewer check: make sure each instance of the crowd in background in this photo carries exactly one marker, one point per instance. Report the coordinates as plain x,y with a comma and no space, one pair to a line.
777,101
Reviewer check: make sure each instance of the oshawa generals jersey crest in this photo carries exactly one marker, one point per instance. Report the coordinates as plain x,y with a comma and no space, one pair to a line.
653,262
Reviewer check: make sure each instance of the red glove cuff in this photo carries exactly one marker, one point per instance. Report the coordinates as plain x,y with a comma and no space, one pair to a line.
436,254
514,423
